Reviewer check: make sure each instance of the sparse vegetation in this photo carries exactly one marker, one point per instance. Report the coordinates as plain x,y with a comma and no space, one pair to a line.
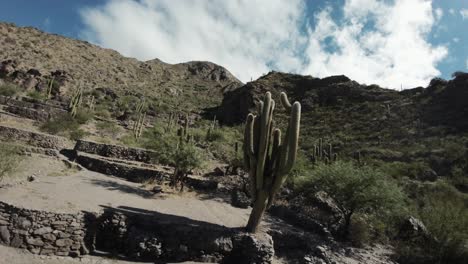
67,125
9,89
9,159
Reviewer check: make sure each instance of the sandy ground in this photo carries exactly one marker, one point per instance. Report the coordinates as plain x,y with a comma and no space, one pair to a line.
10,255
58,189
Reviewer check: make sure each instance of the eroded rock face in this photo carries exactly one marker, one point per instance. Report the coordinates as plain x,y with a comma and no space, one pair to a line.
7,67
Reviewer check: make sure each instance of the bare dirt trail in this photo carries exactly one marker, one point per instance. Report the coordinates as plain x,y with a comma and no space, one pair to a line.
57,189
9,255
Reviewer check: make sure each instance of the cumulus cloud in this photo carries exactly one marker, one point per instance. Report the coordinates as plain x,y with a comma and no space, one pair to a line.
374,42
393,52
464,13
248,37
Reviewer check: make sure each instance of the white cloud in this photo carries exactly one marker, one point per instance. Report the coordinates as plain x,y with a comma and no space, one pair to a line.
452,11
251,37
248,37
438,13
464,13
394,52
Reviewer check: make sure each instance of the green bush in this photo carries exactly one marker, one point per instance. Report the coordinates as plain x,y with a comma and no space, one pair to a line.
444,212
185,158
66,125
9,159
37,95
362,190
9,89
105,128
78,134
83,116
60,125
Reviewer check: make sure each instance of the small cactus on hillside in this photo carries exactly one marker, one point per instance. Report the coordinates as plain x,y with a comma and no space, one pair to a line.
267,158
50,86
75,101
139,123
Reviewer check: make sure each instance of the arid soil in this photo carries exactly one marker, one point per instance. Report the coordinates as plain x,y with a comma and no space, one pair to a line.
58,189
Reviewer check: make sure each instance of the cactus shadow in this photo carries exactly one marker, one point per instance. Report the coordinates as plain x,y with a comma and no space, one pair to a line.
116,186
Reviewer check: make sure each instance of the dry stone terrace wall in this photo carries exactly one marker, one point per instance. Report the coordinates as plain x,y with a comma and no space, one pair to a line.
133,232
118,169
31,109
115,151
36,139
43,232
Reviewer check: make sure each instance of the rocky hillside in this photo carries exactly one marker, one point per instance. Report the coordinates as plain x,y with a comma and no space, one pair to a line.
427,125
31,57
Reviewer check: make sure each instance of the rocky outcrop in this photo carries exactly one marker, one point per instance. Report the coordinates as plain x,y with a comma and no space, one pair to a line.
41,232
239,199
115,151
31,138
210,71
319,215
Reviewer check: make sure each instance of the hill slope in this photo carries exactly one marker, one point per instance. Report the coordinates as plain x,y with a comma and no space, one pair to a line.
79,62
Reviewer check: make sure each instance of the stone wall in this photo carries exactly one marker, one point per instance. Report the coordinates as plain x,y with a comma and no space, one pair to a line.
31,138
118,169
132,232
115,151
31,109
43,232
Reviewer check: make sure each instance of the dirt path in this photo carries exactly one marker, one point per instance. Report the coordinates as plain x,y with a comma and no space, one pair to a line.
10,255
60,190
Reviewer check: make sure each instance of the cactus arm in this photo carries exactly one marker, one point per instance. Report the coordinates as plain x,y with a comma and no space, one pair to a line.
293,137
284,101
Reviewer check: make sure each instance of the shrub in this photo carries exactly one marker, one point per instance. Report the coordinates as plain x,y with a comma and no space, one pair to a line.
60,125
445,214
83,116
185,158
9,159
362,190
106,128
8,89
37,95
66,125
78,134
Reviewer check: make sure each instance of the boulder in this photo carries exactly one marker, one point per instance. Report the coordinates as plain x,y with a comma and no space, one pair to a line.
239,199
5,235
413,228
7,67
250,249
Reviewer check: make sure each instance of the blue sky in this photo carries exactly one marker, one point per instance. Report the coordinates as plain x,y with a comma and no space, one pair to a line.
367,40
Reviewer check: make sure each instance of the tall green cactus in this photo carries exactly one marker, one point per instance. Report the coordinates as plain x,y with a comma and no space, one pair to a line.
139,123
75,101
268,159
49,88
